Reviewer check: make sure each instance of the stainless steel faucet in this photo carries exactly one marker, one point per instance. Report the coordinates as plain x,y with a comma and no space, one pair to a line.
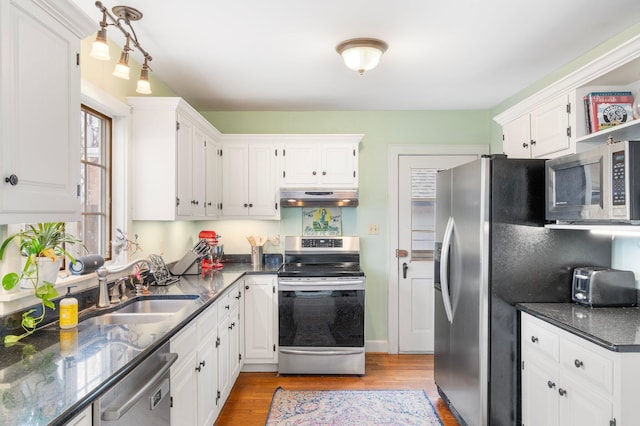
103,273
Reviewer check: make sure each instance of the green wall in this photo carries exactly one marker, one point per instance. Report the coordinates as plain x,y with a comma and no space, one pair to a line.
380,129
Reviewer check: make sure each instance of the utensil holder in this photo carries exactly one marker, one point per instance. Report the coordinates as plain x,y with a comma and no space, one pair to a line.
256,256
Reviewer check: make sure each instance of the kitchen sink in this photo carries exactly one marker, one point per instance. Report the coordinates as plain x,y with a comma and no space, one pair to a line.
148,310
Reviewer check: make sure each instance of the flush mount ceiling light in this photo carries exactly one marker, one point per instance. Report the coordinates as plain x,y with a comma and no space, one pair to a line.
100,49
361,54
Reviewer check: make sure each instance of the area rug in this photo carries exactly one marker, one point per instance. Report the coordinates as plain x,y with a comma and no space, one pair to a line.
351,407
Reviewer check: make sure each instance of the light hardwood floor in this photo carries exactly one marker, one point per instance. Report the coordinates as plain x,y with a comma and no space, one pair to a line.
250,398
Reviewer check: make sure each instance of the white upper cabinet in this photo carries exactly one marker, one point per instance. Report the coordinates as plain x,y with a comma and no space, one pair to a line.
249,169
212,178
544,133
320,161
614,71
170,172
40,110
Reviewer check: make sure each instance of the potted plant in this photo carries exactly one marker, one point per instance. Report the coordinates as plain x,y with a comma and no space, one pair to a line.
42,247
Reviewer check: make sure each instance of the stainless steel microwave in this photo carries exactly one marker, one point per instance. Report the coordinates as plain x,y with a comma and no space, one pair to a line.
599,185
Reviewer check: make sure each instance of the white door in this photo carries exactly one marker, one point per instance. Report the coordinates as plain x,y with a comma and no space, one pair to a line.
416,233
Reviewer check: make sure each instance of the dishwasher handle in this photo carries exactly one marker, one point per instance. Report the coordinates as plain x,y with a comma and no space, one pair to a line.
111,414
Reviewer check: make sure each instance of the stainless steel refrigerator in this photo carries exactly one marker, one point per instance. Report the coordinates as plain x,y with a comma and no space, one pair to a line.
493,251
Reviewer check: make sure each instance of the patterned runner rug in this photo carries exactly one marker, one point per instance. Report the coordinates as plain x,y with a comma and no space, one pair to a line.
351,407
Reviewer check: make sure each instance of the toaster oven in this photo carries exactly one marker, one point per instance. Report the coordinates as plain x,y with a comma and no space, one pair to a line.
594,286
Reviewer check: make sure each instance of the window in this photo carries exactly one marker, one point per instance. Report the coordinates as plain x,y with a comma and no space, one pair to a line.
95,182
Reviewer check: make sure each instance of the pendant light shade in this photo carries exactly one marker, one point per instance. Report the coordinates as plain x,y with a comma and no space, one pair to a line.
361,54
100,48
144,87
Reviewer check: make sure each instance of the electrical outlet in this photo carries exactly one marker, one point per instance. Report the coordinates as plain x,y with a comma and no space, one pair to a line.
374,229
275,240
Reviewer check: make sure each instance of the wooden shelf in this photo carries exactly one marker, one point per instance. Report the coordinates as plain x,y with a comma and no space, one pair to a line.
623,132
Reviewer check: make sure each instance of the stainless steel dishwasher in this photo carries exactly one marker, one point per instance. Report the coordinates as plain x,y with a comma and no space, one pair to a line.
142,397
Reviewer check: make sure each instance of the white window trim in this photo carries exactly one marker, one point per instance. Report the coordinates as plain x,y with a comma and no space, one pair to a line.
120,113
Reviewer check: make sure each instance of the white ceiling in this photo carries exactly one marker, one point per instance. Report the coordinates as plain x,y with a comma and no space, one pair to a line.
280,54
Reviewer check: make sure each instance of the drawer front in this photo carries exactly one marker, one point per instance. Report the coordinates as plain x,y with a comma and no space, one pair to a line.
587,364
224,306
233,297
207,322
537,336
184,342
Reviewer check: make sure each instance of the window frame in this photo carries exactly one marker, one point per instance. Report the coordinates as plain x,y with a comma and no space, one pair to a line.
107,166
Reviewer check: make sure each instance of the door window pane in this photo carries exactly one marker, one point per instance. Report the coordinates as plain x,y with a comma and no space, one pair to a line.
423,208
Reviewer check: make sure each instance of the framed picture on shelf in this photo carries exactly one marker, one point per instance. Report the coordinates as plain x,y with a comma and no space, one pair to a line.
321,221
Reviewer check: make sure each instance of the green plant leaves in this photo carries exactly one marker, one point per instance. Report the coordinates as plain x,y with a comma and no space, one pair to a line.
10,280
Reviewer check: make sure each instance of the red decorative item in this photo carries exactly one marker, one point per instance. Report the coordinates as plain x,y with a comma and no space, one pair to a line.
212,262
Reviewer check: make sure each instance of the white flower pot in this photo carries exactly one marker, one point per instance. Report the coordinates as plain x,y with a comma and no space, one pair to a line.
48,272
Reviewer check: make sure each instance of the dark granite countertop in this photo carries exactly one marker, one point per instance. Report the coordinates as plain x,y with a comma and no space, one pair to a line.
53,374
615,329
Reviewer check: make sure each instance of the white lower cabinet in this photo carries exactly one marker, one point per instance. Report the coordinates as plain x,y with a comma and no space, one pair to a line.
235,333
194,377
209,360
207,367
261,320
567,380
184,382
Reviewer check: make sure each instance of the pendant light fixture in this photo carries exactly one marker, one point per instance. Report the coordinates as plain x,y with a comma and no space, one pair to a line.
362,54
124,15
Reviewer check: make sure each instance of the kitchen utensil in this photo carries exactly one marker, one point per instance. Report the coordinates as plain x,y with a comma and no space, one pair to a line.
198,251
256,255
161,273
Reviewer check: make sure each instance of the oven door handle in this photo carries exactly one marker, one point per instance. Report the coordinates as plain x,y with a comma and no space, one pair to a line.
311,352
296,285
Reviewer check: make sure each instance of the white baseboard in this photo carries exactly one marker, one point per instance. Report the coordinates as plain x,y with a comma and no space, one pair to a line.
376,346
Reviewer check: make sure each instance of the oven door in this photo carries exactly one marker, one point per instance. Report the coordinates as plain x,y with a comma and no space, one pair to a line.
321,325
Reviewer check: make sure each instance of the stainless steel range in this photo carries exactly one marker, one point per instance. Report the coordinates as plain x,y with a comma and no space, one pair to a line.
321,307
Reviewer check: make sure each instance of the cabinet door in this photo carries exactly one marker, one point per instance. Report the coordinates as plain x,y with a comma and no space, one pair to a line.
39,115
262,173
185,170
517,138
539,391
212,180
184,381
234,343
299,165
207,372
549,128
198,174
224,376
580,406
235,180
338,164
184,391
260,312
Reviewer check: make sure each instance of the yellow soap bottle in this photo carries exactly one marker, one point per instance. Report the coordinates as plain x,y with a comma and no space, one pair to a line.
68,311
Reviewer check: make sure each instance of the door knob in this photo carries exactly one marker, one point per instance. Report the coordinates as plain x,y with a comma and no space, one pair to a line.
404,270
13,180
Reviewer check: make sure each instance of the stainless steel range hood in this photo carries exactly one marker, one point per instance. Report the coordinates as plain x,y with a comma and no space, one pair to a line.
318,197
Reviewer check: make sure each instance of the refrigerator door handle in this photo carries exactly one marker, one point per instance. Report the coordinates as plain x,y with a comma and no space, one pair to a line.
444,268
